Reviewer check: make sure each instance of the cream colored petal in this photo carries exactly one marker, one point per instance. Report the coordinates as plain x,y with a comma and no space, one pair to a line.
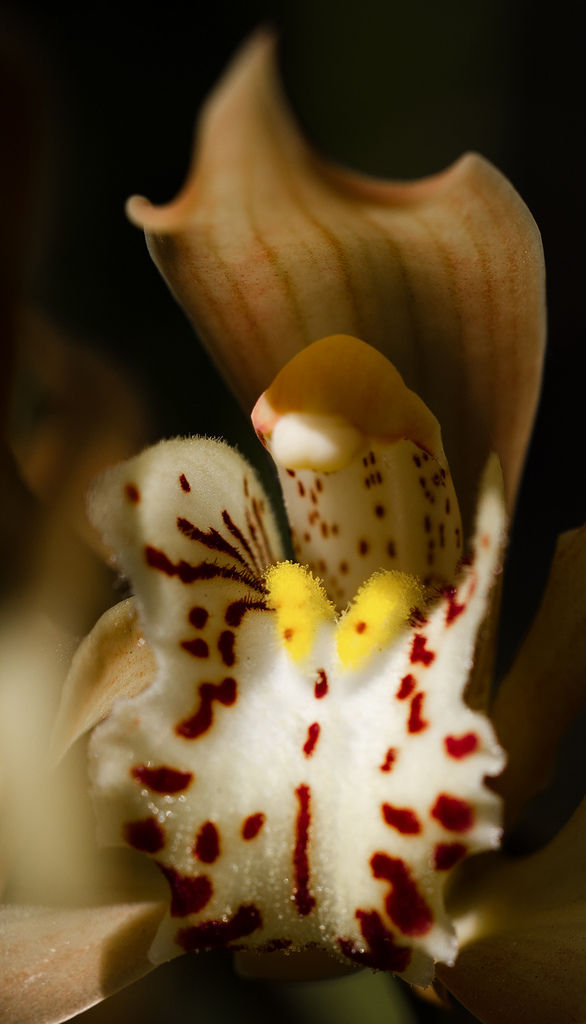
56,963
284,772
547,683
113,661
523,926
269,248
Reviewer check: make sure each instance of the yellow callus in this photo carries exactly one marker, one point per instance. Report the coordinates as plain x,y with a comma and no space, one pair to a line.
379,612
301,604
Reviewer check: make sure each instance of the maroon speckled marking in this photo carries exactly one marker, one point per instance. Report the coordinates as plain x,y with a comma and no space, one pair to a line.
257,511
408,684
252,825
402,818
384,955
446,855
189,894
275,945
236,611
312,738
405,905
207,844
146,835
454,609
189,573
226,642
185,485
390,758
162,779
201,720
321,685
454,814
198,617
416,721
304,901
239,536
419,651
219,934
417,617
198,647
210,539
461,746
131,493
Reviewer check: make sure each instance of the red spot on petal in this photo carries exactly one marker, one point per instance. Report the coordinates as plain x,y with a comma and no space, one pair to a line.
189,573
198,647
131,493
454,814
207,844
198,617
321,685
461,746
236,611
408,684
416,720
189,894
219,934
198,723
147,835
360,627
253,825
454,607
390,758
303,899
405,905
402,818
384,954
162,779
446,855
419,651
185,485
312,738
226,647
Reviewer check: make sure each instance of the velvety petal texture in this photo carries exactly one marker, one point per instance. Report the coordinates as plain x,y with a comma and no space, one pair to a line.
113,661
58,962
546,685
269,248
299,778
522,926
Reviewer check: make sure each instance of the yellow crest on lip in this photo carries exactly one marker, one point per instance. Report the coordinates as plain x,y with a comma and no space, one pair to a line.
301,604
377,615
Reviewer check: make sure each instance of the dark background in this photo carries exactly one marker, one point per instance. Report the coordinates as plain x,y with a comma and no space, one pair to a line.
392,88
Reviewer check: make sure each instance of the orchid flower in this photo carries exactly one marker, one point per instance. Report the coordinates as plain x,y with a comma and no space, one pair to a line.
299,746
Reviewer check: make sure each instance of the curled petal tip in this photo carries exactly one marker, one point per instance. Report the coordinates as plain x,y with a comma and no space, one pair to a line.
269,247
137,209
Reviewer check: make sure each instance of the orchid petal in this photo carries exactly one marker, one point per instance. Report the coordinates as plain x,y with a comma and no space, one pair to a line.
269,248
112,661
364,476
56,962
284,787
522,924
546,685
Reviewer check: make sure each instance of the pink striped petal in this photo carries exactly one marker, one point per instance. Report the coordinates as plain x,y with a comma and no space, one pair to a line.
269,248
